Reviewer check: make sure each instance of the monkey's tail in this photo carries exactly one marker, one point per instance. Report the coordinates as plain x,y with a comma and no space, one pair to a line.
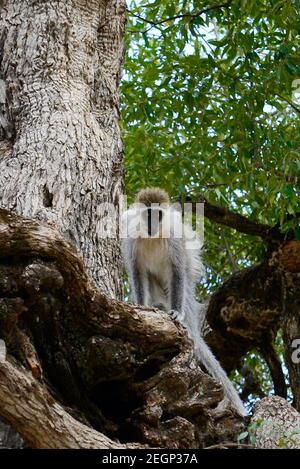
206,357
195,323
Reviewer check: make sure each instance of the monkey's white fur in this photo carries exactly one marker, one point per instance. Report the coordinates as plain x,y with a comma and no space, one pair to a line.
163,270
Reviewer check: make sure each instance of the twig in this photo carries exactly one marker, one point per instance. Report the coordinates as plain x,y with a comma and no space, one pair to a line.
231,257
230,445
192,16
290,103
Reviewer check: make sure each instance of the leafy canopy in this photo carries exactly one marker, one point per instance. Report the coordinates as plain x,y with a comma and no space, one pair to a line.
210,108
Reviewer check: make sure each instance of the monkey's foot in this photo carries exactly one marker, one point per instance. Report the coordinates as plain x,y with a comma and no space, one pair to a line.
159,306
176,316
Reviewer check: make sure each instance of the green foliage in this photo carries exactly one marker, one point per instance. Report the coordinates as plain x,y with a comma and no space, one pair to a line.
210,108
205,111
250,435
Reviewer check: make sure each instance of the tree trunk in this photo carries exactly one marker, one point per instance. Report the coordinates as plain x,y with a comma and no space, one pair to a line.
62,147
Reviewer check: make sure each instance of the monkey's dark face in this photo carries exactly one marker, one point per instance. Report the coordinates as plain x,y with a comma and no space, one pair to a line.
153,219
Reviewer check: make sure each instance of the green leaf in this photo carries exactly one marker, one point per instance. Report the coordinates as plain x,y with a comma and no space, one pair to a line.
242,436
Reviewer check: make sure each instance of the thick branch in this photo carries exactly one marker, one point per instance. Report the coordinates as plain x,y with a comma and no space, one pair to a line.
269,353
43,423
291,316
290,256
244,312
247,310
224,216
128,371
241,223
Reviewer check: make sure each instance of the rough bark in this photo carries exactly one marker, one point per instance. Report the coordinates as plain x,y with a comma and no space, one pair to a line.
246,312
289,258
62,149
60,141
126,370
104,352
44,423
275,424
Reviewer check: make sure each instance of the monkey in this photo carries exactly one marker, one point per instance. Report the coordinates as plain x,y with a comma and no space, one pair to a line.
163,260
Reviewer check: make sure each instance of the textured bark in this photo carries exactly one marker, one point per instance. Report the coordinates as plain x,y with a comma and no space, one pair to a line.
60,67
246,312
126,370
289,256
44,423
291,313
275,424
60,142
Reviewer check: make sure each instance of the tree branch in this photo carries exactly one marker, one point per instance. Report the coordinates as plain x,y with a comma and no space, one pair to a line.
230,255
224,216
192,16
245,311
120,368
290,103
269,353
42,422
251,383
234,220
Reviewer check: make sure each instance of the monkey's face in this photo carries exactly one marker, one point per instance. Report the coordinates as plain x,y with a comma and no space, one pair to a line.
152,221
156,221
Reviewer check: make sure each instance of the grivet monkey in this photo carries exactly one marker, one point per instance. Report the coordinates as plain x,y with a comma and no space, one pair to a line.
163,261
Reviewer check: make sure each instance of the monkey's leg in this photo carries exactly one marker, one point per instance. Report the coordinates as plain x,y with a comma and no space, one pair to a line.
177,292
138,282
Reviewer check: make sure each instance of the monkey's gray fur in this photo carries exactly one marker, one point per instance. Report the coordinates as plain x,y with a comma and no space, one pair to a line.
163,261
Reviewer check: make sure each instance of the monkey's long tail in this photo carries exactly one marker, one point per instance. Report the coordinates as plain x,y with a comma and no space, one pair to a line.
194,322
206,357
